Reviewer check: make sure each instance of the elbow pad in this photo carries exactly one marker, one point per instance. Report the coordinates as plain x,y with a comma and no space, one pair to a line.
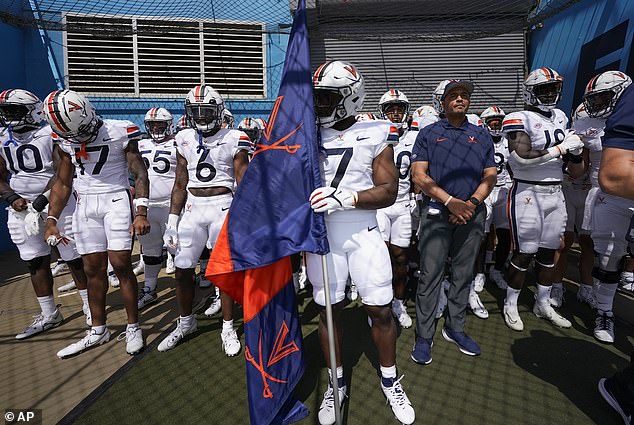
538,160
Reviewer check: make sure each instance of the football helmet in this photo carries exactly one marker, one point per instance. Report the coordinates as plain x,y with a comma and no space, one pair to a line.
204,108
424,111
603,91
71,116
159,123
580,112
182,123
261,122
20,108
542,88
339,91
436,96
492,118
252,129
227,119
394,97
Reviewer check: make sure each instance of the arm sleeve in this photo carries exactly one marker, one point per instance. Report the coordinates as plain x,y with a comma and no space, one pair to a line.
619,128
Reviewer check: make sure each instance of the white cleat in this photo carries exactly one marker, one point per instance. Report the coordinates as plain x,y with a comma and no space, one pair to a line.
585,294
216,304
604,327
478,282
476,306
353,292
546,311
230,342
557,295
139,268
86,310
133,340
496,276
113,280
176,335
92,339
400,404
512,317
70,286
400,312
41,323
302,278
59,268
147,296
170,268
627,281
326,413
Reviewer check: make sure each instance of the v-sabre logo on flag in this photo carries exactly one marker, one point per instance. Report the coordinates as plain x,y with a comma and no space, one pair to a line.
270,219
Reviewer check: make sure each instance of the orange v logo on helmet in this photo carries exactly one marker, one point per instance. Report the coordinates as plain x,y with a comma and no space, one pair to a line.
269,130
74,107
280,351
351,70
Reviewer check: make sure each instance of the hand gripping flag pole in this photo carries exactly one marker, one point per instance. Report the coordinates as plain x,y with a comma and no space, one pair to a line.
331,342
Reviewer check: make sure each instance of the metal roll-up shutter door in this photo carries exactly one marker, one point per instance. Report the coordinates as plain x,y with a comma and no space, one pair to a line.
495,65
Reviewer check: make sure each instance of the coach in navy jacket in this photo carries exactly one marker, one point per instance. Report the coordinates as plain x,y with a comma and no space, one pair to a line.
453,162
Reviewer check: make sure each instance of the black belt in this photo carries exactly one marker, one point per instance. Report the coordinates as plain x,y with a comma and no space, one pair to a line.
550,183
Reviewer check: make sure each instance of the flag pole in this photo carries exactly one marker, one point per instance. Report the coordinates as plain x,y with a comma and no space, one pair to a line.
331,341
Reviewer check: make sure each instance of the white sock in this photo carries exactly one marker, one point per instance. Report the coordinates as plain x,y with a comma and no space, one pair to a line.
339,372
83,293
629,276
227,325
99,329
543,294
388,371
132,326
151,276
47,304
604,294
512,295
187,321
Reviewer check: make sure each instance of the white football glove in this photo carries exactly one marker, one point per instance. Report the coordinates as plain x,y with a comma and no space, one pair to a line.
328,198
571,143
170,237
33,221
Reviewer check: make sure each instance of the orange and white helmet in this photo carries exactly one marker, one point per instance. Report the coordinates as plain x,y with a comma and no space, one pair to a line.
493,115
227,118
252,129
424,111
20,108
339,91
71,116
436,96
394,97
366,117
204,108
603,91
182,123
580,112
542,88
159,123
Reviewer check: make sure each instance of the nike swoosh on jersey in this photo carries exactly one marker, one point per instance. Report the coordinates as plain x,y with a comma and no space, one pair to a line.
107,139
225,209
115,200
359,138
220,144
408,144
441,140
371,228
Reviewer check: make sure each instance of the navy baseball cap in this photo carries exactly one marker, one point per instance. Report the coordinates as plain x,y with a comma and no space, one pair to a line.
453,84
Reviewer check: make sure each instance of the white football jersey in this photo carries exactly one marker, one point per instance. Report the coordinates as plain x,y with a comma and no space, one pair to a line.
402,159
347,163
543,132
430,119
101,166
591,131
501,157
210,159
29,159
160,161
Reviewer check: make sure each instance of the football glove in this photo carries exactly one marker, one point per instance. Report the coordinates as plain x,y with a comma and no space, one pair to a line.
33,221
571,143
170,237
327,199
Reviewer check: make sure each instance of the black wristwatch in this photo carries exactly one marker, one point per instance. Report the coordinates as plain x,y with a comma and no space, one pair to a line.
474,201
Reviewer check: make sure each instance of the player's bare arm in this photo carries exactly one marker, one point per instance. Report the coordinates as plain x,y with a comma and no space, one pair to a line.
385,177
141,187
576,170
240,162
617,171
179,191
60,190
520,143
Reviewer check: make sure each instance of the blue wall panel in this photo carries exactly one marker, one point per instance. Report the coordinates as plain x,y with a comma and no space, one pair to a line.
590,37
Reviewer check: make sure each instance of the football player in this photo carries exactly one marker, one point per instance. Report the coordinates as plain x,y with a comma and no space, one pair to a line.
252,129
492,119
358,178
395,221
28,156
537,139
159,156
611,216
210,160
100,152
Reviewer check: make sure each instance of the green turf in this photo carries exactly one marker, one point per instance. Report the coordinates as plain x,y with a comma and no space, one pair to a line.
543,375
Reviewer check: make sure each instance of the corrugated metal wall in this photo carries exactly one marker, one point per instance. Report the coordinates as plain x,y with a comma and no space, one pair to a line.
494,64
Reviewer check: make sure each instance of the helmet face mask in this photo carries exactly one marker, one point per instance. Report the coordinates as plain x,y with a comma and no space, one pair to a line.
204,108
603,91
159,124
251,128
13,115
326,102
20,109
542,89
548,93
339,92
493,117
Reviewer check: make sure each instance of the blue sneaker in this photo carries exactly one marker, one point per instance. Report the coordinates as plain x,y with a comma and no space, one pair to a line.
463,341
421,353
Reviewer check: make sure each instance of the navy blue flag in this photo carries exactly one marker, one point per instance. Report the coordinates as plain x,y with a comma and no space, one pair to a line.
270,218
